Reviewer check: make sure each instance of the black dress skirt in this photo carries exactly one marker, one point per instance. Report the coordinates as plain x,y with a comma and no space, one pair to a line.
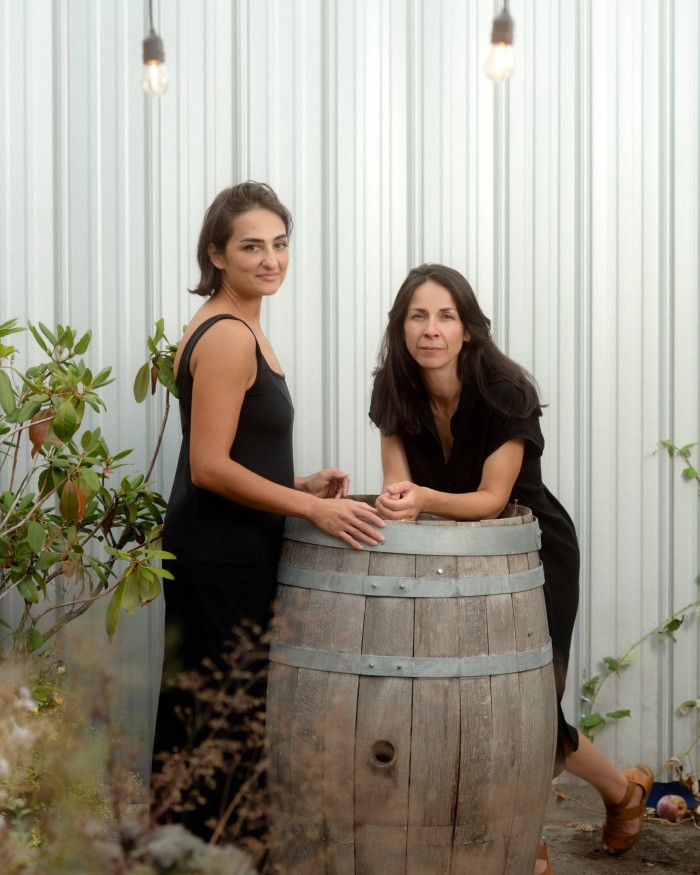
224,574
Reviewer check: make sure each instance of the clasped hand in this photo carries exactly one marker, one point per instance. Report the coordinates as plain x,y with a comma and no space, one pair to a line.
400,501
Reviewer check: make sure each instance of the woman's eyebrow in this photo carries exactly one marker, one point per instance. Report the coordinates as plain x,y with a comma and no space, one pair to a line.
260,239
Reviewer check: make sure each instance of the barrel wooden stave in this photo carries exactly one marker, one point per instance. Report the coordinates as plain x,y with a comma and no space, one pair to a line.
420,813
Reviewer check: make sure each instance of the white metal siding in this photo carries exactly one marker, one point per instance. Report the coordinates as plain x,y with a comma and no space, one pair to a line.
569,198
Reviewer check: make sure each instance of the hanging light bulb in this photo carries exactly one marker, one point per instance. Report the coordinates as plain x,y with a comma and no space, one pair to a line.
154,79
499,63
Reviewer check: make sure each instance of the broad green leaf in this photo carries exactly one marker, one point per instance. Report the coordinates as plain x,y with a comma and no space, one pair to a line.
101,378
7,396
166,376
48,334
39,339
689,473
79,413
36,639
131,601
40,582
160,554
141,382
149,589
83,343
114,610
161,572
27,589
8,327
65,421
25,412
36,535
47,560
91,482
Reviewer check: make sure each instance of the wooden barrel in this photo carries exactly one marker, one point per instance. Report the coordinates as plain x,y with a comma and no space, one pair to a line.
411,722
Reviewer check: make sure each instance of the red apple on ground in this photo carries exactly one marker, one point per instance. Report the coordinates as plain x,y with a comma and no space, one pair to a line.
671,807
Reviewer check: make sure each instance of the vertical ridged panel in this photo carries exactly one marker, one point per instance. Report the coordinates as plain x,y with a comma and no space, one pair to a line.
569,198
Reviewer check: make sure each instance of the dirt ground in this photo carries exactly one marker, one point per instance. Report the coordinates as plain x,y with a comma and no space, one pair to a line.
572,830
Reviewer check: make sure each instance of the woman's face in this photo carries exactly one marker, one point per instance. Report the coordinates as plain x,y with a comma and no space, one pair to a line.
254,261
432,329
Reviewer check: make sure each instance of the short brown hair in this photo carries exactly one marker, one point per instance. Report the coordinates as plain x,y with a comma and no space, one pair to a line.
217,226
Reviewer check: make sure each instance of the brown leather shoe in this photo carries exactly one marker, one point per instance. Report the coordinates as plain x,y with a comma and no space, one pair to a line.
615,840
543,855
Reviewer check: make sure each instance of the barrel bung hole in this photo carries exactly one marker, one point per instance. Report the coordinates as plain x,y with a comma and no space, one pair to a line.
383,753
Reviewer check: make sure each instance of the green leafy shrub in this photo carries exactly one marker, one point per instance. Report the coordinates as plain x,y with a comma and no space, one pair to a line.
66,517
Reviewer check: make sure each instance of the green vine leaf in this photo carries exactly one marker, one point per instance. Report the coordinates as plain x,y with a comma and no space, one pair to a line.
687,707
617,715
590,686
670,626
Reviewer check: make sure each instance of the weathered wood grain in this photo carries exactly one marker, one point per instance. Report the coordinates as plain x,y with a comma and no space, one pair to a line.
401,775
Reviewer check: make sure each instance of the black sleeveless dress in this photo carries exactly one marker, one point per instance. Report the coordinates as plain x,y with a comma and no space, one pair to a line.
227,554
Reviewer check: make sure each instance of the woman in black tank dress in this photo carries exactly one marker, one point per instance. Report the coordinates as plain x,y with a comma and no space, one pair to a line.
460,438
235,479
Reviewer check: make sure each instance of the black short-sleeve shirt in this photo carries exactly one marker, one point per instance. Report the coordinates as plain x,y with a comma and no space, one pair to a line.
478,430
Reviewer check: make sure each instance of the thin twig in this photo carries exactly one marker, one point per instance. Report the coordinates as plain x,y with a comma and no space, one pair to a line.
160,437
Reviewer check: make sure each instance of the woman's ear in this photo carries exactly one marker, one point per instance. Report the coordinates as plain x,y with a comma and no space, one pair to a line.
214,255
467,336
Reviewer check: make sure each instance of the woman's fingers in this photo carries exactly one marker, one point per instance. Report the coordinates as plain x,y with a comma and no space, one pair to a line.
354,522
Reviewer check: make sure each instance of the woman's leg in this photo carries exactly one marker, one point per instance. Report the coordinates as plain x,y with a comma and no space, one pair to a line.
591,765
596,769
616,789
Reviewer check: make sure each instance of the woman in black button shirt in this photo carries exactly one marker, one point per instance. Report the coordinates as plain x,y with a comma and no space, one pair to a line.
460,438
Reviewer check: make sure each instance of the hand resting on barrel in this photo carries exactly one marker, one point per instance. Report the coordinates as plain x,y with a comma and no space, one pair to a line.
351,521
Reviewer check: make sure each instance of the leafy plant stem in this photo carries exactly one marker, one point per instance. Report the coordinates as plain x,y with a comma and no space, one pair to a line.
160,436
621,660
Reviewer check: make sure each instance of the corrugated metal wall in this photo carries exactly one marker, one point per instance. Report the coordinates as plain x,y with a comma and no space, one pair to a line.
570,198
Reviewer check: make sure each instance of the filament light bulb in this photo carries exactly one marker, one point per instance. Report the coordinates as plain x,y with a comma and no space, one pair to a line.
154,79
500,62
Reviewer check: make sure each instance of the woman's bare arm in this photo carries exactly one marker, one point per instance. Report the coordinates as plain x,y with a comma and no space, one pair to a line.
404,499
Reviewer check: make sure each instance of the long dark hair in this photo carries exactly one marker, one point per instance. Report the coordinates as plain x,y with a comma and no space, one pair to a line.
217,226
398,385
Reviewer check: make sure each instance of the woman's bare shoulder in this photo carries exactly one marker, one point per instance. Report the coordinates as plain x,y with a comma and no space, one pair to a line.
227,339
